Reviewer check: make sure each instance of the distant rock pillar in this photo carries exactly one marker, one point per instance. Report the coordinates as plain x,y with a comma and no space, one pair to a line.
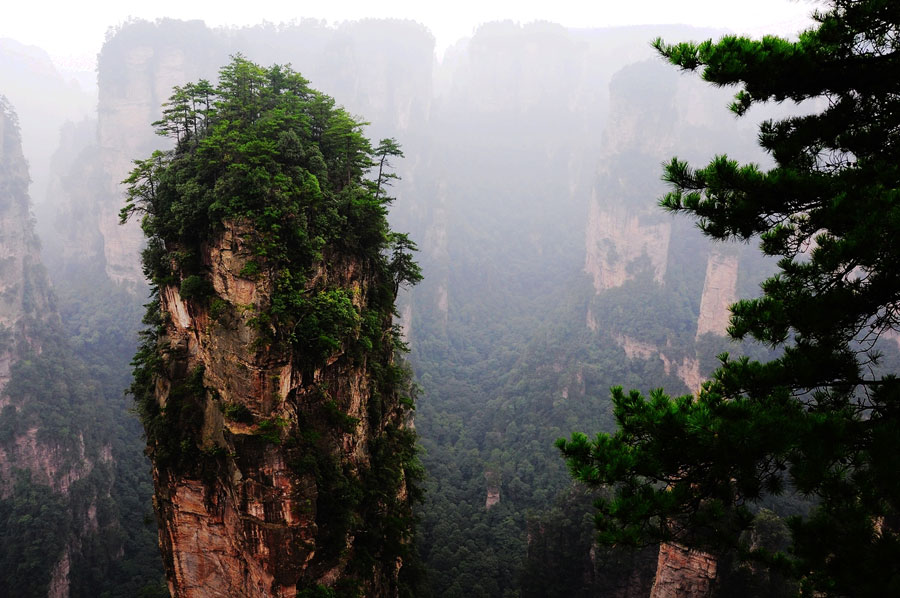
493,489
719,292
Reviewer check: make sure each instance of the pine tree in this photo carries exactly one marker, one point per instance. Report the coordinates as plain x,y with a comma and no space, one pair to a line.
824,417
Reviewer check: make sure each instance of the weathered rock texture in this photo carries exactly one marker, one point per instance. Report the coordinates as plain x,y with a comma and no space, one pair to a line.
20,271
719,292
616,239
625,233
265,506
683,573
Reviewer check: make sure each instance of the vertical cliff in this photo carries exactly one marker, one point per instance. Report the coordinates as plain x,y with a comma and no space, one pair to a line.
22,284
625,233
276,414
684,573
652,273
44,99
719,292
53,466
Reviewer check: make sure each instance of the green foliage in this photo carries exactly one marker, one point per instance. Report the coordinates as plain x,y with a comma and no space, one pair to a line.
319,591
387,149
250,270
264,150
822,416
238,413
171,431
270,430
339,419
330,318
402,267
217,308
195,288
344,589
36,524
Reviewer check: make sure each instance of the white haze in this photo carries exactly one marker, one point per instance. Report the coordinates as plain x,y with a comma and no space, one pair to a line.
73,32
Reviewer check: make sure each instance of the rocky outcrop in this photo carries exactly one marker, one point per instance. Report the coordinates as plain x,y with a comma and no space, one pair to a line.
44,99
50,463
683,573
22,283
625,233
260,499
71,237
719,292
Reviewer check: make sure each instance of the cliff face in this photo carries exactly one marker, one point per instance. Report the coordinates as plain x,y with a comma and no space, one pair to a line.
47,459
719,292
261,515
616,239
636,252
95,156
44,100
683,573
626,233
252,529
25,305
21,278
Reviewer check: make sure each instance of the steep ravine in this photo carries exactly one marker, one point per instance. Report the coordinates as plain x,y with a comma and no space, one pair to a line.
53,467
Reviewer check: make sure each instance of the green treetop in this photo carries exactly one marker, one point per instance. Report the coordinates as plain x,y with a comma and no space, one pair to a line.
264,149
824,417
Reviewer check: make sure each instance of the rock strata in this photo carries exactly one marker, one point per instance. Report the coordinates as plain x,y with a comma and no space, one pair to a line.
256,516
719,292
683,573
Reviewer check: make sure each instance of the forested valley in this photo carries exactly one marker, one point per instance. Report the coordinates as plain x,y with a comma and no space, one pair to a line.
529,179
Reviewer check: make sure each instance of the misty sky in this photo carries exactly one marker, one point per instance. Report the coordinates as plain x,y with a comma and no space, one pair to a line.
73,32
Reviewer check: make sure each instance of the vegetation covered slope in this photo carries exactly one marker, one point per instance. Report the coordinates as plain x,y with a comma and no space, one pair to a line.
71,500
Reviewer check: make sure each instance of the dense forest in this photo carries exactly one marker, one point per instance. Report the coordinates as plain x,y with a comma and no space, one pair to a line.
530,177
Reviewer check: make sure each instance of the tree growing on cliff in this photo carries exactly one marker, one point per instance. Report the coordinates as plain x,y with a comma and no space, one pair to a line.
824,417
